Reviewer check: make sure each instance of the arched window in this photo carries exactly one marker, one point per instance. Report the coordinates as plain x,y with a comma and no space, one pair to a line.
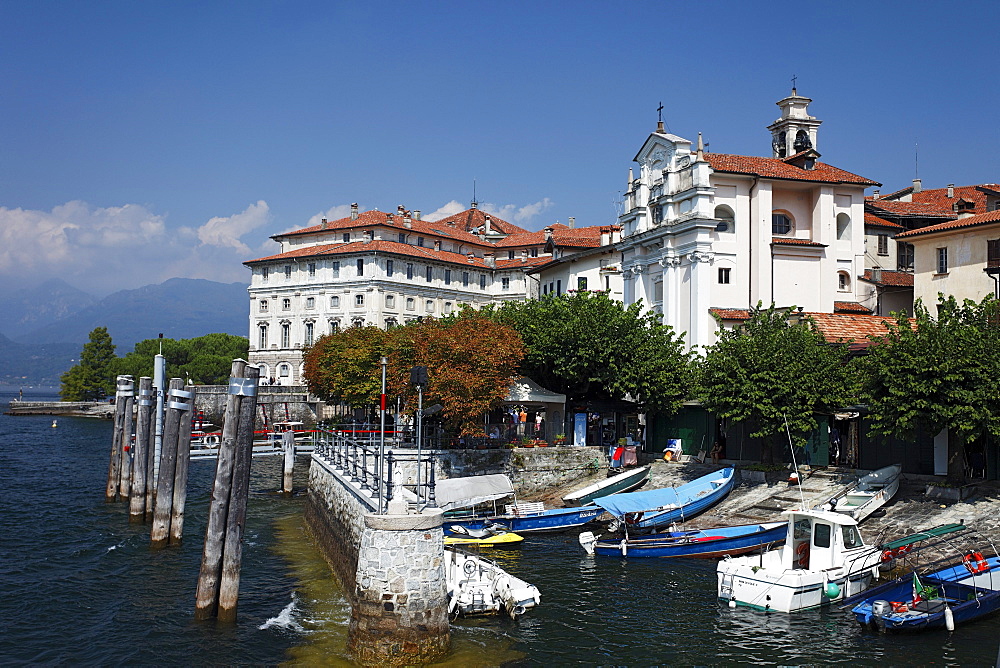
726,218
843,226
781,223
843,281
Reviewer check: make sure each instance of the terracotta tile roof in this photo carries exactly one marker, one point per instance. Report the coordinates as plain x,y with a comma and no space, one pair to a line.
915,209
472,219
792,241
562,236
975,194
370,219
730,313
959,223
776,168
842,327
850,307
875,221
895,279
391,247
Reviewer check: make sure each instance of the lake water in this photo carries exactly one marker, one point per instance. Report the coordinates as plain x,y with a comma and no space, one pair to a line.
80,585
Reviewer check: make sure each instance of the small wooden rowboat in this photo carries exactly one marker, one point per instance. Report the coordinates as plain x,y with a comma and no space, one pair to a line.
621,482
870,493
712,543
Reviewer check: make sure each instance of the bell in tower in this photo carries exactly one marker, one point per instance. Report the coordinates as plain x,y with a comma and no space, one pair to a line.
795,131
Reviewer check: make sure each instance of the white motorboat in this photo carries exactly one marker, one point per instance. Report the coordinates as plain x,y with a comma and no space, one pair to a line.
870,493
621,482
477,586
824,559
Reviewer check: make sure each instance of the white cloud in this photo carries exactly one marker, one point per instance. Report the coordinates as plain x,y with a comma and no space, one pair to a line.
225,232
520,215
335,212
449,209
103,249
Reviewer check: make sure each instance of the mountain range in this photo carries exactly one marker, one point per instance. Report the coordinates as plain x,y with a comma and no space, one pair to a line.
47,324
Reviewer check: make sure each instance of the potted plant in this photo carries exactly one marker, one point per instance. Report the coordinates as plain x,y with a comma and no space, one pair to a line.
560,439
541,443
527,442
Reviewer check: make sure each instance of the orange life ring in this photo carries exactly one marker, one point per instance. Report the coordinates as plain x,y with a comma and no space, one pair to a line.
802,552
975,562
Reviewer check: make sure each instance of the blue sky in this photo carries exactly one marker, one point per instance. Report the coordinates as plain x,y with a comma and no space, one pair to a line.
145,140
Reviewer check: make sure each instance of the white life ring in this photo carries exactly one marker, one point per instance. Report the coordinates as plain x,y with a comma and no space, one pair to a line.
212,440
469,567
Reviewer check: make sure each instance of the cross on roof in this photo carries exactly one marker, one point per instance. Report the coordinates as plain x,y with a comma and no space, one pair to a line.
659,113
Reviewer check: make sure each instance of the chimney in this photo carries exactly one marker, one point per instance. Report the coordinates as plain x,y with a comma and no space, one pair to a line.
416,214
700,156
605,236
548,233
354,212
406,219
472,257
474,205
951,190
407,224
490,260
400,210
524,255
368,236
437,244
572,222
324,222
875,193
489,229
916,186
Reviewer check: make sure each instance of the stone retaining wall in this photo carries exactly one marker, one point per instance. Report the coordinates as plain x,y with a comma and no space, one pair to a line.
274,399
532,470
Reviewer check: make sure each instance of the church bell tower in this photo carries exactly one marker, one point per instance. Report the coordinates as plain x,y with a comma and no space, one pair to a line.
795,131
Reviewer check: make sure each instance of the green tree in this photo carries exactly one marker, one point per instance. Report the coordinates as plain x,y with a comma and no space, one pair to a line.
935,373
205,360
587,345
772,370
94,375
345,366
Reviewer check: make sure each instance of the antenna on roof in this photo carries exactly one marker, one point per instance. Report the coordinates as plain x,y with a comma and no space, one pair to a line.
916,160
475,204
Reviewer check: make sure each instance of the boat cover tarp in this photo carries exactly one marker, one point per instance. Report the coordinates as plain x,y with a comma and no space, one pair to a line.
939,530
453,493
665,497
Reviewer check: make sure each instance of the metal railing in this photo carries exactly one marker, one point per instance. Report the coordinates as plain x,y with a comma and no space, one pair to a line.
358,458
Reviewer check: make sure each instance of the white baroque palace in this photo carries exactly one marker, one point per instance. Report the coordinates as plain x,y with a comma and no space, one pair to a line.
707,234
383,269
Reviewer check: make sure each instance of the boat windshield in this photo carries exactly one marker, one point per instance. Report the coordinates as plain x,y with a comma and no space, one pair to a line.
851,536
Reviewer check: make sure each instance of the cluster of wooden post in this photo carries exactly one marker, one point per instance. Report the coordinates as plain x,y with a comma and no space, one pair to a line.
119,469
219,579
133,460
175,454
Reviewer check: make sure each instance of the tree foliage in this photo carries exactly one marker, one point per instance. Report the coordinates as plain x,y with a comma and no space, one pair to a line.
772,370
587,345
935,373
94,376
205,360
471,362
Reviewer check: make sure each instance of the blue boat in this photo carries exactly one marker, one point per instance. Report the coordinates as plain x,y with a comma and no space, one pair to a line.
713,543
530,518
463,500
940,599
648,510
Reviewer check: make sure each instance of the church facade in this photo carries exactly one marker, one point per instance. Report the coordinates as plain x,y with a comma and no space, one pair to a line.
711,234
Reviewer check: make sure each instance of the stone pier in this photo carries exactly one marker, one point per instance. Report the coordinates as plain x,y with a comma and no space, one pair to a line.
400,613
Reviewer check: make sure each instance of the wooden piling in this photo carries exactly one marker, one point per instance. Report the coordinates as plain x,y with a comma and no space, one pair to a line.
140,456
151,473
207,596
165,478
232,554
288,440
127,386
115,465
181,471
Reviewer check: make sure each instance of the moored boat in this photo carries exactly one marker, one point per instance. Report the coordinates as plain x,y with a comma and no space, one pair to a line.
869,493
477,586
654,508
710,543
945,597
824,559
491,535
621,482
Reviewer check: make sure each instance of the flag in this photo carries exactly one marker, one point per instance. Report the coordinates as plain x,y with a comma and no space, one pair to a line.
918,589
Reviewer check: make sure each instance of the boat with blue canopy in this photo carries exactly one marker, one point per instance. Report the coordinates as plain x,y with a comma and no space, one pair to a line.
648,510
